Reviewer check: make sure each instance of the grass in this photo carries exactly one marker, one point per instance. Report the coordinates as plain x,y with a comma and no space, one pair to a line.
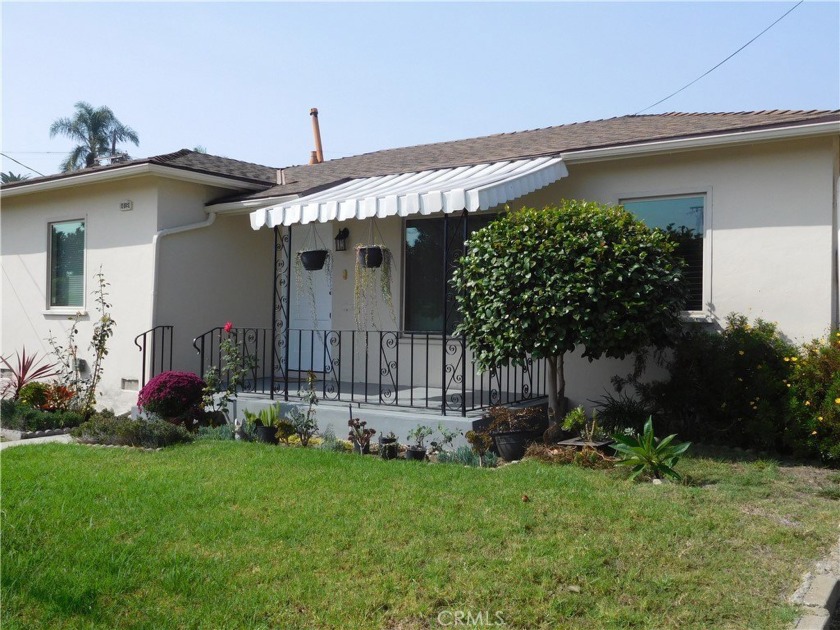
225,534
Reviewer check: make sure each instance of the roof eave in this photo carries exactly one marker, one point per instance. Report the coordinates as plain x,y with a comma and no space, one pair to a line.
655,147
127,172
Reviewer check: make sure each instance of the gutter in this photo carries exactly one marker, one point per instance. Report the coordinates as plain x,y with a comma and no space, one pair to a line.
249,205
703,142
160,234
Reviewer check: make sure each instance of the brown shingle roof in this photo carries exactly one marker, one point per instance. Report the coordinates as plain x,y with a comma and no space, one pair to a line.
611,132
185,160
547,141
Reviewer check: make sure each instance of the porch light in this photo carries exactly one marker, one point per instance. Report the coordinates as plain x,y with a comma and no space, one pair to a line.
341,240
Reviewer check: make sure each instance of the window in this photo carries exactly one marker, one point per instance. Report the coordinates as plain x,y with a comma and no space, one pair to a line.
427,274
683,218
67,263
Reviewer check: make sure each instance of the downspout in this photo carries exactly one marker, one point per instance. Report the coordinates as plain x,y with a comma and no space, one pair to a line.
211,218
835,239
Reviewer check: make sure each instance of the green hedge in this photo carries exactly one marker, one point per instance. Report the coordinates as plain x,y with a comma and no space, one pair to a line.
21,417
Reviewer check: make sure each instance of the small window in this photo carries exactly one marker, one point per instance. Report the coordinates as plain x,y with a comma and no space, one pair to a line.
67,263
683,218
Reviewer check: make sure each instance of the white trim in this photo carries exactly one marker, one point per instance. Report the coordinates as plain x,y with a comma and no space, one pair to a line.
127,172
687,144
66,309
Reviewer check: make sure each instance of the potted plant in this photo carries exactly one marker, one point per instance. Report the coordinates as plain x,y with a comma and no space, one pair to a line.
265,423
388,447
514,429
313,255
590,434
372,277
360,436
417,450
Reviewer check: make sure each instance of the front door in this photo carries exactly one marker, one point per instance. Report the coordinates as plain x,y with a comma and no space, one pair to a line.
311,296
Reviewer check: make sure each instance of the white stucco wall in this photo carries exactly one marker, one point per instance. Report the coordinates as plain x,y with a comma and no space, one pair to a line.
118,242
197,281
770,229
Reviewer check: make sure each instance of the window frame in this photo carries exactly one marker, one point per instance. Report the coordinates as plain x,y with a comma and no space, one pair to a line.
495,213
705,312
65,310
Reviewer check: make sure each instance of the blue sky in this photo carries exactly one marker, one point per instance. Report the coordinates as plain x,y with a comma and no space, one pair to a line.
240,78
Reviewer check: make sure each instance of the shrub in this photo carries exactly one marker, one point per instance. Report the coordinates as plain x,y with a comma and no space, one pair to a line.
814,386
620,411
59,397
34,394
728,387
22,417
123,431
172,395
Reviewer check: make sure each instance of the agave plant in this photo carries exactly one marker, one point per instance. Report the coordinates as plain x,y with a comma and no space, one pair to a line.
648,454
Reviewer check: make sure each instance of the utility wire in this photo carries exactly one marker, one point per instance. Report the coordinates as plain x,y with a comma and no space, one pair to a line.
722,62
22,164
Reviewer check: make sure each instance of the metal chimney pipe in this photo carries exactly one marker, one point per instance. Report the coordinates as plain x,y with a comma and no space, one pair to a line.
316,130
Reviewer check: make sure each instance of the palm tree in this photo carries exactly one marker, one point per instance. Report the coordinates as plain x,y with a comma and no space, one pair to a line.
97,130
8,178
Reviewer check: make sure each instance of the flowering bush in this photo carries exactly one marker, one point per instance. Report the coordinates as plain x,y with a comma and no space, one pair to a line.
814,384
727,387
171,394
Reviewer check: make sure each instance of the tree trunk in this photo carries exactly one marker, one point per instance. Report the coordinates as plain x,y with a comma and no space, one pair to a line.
556,389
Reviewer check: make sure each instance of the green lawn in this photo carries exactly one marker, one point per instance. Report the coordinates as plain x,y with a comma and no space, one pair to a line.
228,535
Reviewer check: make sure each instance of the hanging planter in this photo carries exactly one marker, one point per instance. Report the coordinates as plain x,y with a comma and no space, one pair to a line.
313,259
369,257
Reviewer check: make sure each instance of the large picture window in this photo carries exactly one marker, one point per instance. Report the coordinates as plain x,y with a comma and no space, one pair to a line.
430,257
67,263
683,217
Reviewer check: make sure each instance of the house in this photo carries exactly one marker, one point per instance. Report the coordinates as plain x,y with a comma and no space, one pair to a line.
190,241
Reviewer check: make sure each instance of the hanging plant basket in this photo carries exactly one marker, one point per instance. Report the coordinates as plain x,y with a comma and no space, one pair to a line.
369,257
313,259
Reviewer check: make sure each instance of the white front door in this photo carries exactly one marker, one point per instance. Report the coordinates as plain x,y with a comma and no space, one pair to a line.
308,317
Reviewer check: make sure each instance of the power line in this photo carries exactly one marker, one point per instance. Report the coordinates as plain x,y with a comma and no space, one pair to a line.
722,62
22,164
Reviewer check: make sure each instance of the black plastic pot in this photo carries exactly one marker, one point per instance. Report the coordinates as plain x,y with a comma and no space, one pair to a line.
388,448
364,451
370,257
314,259
267,434
415,453
511,445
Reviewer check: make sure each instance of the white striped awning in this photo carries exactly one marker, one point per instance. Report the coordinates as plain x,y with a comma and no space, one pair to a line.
472,188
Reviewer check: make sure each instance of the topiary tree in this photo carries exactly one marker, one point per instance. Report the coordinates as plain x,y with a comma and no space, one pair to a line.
578,275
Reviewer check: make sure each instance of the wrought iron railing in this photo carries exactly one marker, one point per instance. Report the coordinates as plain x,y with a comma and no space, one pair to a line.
400,369
156,346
